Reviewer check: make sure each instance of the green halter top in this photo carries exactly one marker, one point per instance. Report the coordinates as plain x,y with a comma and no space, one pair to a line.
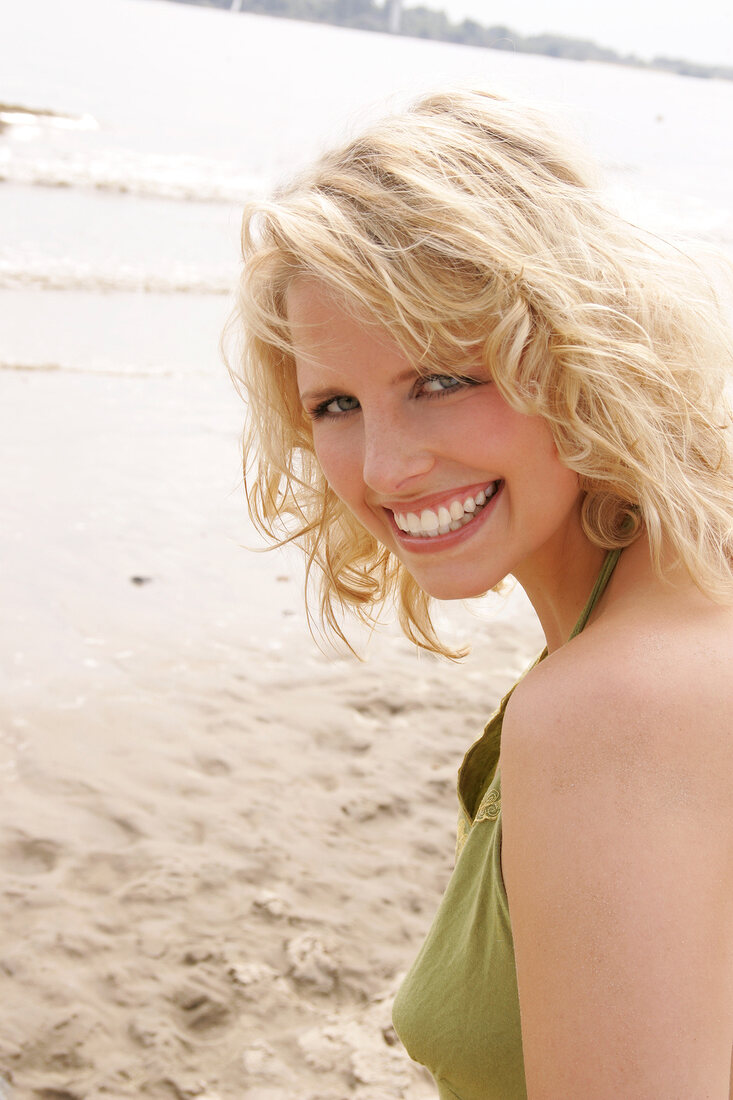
457,1010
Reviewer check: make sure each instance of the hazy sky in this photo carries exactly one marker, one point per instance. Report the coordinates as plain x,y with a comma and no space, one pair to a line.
699,31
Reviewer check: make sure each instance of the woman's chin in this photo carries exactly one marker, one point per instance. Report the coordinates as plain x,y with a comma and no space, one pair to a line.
454,588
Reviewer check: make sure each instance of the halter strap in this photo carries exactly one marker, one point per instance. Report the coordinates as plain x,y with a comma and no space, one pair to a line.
609,564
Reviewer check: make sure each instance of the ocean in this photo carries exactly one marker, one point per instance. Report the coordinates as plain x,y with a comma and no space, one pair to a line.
131,132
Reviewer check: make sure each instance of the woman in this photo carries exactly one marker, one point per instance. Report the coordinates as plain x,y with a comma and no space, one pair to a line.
460,366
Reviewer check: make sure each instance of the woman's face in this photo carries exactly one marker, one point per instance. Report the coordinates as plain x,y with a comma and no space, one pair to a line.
443,472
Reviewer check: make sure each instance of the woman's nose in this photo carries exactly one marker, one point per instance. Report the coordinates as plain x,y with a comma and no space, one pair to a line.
394,454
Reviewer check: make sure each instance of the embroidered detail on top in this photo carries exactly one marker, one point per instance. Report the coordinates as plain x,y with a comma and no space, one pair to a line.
489,808
464,828
488,811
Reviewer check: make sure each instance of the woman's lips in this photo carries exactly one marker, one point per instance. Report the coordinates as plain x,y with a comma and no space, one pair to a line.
437,527
452,514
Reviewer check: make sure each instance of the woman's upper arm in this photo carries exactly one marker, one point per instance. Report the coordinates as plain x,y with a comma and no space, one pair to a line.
616,858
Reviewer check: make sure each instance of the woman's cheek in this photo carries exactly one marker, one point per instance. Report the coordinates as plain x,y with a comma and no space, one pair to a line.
336,463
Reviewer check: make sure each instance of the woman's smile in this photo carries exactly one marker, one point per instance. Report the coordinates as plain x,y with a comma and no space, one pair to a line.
461,487
455,511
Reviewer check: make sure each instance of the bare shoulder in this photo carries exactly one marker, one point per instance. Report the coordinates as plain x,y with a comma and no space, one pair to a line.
617,853
644,698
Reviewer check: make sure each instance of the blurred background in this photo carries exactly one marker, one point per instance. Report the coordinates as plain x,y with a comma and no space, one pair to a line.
220,848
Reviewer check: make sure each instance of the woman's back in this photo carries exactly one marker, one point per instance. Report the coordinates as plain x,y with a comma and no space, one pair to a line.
617,760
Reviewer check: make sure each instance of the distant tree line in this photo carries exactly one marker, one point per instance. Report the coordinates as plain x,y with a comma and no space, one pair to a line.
424,22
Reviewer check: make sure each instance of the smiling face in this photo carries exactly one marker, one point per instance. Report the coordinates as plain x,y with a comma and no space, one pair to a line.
442,471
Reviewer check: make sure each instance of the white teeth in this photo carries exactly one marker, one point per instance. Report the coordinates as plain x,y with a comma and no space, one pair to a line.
447,518
429,520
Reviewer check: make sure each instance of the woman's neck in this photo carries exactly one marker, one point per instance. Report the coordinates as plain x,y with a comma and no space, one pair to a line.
559,590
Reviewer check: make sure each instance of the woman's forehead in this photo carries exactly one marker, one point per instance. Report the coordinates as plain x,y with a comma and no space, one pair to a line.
321,319
309,293
326,325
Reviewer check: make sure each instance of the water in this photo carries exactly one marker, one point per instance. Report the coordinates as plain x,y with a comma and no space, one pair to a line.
120,211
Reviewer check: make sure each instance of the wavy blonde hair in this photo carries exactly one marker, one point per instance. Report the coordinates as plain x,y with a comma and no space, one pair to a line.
473,234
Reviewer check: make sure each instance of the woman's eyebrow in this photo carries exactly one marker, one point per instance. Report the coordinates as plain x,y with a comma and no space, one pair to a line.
330,391
319,395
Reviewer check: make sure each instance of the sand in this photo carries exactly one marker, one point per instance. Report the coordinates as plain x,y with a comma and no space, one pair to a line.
221,848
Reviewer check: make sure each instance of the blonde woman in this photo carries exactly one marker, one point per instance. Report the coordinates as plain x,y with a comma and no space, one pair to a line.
460,366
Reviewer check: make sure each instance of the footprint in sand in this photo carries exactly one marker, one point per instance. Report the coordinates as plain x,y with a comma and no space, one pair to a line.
30,855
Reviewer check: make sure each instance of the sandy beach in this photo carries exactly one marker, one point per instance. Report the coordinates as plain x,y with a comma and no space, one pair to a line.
221,848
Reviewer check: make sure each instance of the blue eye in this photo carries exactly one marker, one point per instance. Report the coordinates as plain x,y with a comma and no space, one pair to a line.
439,383
341,405
334,407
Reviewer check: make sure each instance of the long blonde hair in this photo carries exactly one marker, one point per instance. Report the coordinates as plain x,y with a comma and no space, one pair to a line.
468,229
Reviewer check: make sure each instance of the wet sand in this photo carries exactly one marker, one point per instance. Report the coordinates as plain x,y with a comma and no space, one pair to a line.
220,847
